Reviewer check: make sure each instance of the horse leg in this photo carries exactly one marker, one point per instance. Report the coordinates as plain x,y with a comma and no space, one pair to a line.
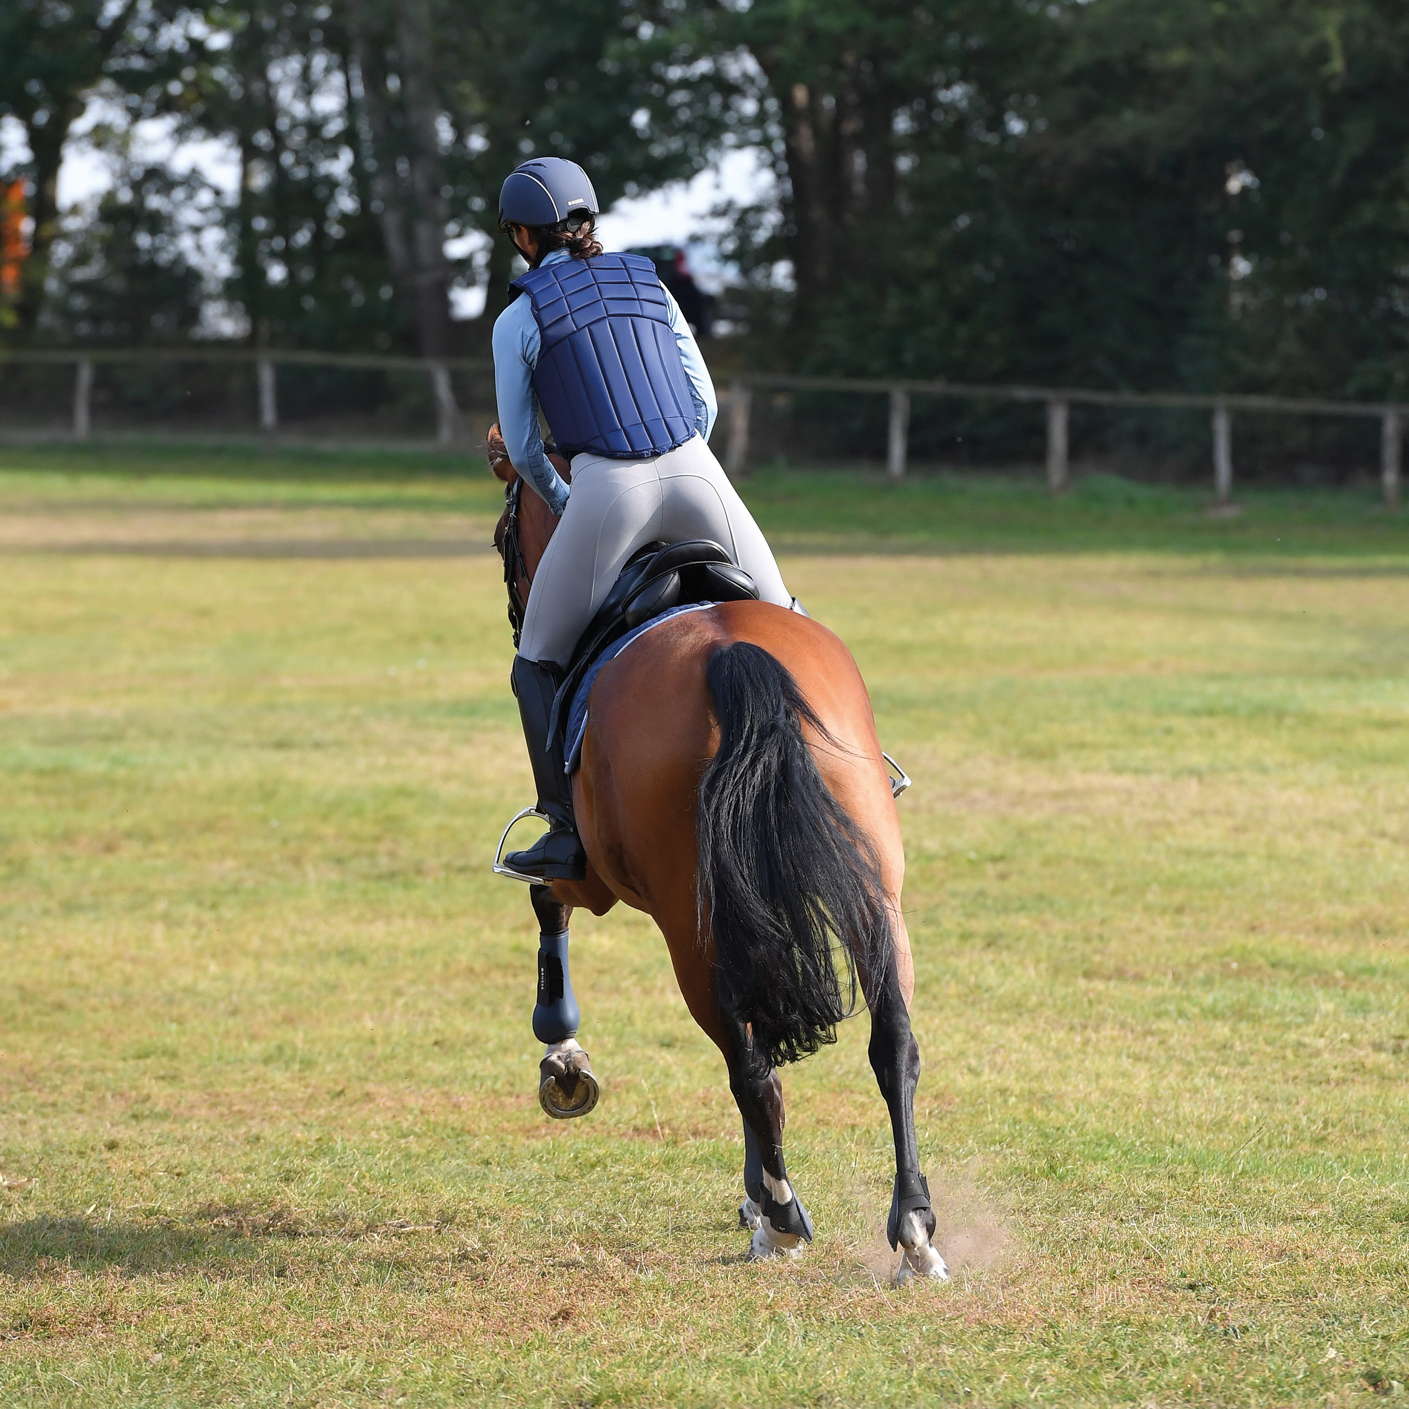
566,1085
772,1208
751,1210
895,1058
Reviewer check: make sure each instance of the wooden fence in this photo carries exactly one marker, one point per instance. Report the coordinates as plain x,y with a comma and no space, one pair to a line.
1059,401
266,365
738,401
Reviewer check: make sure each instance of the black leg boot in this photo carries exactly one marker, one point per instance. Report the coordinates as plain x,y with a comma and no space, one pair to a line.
558,855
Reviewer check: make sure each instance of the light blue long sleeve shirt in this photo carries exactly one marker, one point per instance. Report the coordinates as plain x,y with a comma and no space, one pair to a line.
516,347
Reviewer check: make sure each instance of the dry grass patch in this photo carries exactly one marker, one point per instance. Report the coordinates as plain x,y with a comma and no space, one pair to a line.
269,1132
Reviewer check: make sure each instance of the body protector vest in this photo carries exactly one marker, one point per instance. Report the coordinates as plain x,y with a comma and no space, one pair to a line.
609,378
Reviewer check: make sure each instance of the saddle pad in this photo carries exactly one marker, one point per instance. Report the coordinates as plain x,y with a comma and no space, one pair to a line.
577,715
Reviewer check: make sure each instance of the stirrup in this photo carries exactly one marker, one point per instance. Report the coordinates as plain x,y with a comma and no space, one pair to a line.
499,868
899,778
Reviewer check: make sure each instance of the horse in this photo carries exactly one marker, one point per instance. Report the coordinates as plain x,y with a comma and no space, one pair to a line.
731,785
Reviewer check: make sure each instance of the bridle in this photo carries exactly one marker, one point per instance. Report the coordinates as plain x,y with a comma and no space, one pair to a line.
506,540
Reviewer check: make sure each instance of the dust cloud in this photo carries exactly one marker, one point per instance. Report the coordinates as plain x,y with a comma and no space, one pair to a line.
973,1232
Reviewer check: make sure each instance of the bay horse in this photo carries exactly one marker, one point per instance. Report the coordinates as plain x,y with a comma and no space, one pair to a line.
732,787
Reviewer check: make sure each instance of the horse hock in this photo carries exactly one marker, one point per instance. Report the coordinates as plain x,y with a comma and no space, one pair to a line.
567,1086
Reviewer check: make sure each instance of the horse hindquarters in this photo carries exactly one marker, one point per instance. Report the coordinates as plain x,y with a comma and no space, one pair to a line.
783,870
785,867
757,871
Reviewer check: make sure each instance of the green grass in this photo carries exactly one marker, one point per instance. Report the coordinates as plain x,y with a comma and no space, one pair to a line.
268,1132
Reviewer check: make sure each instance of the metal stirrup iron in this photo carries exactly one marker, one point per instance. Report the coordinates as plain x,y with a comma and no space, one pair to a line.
499,868
899,778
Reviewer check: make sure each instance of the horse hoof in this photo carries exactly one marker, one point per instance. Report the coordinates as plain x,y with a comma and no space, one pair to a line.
766,1244
567,1086
750,1216
923,1261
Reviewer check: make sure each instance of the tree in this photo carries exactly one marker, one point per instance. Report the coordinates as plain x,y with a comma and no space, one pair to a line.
52,54
128,278
394,46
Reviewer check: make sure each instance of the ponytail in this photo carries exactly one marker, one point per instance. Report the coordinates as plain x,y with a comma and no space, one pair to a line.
577,235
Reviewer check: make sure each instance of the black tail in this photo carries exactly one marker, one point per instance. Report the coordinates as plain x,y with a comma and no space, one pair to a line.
783,869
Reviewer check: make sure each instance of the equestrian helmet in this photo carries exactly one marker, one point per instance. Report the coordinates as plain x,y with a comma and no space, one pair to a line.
545,191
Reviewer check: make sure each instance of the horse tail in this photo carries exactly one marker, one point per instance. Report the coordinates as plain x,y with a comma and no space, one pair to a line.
785,876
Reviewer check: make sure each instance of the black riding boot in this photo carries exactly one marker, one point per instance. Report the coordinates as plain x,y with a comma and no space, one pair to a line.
558,855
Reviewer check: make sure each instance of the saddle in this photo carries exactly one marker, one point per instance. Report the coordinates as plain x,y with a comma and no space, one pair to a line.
655,579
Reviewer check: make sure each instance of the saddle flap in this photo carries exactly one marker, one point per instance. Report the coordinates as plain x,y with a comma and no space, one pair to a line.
654,596
660,576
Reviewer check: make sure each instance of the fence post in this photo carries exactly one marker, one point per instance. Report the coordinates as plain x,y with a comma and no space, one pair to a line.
1391,444
739,399
268,396
1058,470
447,414
83,399
898,433
1222,455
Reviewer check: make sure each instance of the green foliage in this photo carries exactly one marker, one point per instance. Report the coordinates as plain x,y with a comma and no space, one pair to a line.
1120,193
53,54
128,279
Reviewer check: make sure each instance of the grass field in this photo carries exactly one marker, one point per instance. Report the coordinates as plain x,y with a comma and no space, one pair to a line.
268,1132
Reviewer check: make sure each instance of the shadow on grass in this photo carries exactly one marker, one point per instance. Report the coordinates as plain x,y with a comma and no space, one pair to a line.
221,1239
825,512
39,1247
254,548
233,458
1282,567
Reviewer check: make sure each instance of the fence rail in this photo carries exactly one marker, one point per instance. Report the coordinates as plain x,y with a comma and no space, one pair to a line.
739,403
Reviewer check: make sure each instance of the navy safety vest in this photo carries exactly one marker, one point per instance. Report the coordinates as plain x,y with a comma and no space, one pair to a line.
609,377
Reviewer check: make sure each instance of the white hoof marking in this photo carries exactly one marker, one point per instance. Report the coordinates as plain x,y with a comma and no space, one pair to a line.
769,1244
780,1189
922,1261
750,1215
562,1050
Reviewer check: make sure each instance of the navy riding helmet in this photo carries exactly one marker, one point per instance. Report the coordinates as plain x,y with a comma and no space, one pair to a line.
544,191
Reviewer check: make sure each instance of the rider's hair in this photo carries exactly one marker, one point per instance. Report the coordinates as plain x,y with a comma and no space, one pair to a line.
577,235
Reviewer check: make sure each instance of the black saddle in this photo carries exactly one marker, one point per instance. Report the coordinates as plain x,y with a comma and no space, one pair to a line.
655,579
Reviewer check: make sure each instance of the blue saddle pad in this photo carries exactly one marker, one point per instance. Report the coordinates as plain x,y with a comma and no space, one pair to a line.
577,715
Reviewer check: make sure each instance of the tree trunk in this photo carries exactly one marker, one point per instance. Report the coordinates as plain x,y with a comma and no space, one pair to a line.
424,179
46,145
406,166
249,267
808,232
877,138
822,145
369,50
501,270
354,134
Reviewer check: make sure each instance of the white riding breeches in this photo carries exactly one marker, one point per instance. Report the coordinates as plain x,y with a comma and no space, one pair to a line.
618,506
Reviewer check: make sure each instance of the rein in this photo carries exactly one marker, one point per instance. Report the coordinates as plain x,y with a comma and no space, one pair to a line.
506,540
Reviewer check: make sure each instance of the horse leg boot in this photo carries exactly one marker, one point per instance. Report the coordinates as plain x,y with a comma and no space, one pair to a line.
772,1209
566,1086
558,854
895,1058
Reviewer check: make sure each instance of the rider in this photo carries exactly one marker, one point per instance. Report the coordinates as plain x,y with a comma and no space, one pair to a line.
600,347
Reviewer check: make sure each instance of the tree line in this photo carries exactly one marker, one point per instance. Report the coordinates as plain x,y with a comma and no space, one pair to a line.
1186,194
